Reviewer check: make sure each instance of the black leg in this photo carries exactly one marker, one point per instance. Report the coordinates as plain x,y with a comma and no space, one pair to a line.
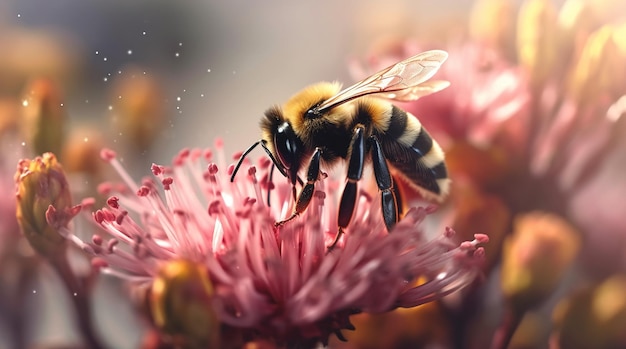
384,181
270,184
356,162
306,194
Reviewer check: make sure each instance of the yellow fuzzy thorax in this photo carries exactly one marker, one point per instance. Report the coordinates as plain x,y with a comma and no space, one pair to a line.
295,108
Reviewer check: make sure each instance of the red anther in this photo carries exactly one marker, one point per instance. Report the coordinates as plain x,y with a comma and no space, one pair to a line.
98,216
105,188
219,143
120,217
156,169
143,191
111,245
212,168
107,154
167,182
208,154
113,202
98,263
214,207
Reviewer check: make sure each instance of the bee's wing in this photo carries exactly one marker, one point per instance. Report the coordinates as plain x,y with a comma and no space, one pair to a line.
403,81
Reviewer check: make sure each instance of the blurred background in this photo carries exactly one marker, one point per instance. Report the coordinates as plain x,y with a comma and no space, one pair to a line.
149,77
219,65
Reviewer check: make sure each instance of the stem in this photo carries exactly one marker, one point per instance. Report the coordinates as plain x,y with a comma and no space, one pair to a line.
504,334
79,294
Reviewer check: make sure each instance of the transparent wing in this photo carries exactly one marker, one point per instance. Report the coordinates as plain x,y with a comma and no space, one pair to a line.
403,81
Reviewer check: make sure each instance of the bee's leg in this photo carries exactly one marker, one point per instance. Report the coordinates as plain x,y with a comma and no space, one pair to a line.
270,184
356,161
306,194
389,201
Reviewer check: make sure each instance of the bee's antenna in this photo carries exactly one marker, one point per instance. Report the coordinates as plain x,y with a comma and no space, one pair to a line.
269,153
243,156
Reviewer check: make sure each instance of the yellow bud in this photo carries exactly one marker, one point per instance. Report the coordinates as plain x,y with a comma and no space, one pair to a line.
478,211
8,116
492,22
600,69
577,20
180,305
138,109
43,117
423,325
41,184
535,257
594,318
538,40
81,152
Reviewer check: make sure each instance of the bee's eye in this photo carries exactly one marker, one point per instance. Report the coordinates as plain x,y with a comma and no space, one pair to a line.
287,147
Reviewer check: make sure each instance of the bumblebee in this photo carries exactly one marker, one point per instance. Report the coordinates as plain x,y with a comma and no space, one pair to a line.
322,125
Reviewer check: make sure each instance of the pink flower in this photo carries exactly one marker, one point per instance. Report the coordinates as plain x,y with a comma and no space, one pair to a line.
485,93
281,283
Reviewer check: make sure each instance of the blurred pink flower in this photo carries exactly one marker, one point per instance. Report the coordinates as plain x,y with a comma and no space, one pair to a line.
486,92
276,283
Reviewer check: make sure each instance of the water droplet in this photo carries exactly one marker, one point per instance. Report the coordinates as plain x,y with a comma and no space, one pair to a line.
34,291
208,70
178,99
180,44
97,52
75,294
105,79
110,107
25,103
143,33
62,104
19,15
234,72
105,59
202,95
129,52
177,54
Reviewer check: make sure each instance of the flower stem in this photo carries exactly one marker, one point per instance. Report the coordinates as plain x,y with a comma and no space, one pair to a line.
504,334
79,294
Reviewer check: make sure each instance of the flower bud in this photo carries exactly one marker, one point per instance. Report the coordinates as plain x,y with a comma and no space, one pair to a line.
492,22
577,19
43,203
81,152
600,69
535,257
538,40
180,305
425,325
43,117
138,109
477,211
594,318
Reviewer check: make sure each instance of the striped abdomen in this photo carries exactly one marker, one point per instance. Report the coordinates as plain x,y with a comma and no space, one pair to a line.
411,150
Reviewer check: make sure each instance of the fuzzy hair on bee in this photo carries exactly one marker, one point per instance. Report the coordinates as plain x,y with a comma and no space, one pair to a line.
322,124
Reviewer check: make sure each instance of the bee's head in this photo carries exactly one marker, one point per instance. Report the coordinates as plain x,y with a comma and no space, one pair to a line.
283,142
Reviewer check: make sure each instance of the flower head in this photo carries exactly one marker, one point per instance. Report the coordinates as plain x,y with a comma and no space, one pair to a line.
44,203
280,284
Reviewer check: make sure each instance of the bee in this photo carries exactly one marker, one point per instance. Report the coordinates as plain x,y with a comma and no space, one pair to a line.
322,125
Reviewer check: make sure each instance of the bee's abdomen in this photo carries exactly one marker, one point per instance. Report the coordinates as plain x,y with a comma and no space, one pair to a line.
411,150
